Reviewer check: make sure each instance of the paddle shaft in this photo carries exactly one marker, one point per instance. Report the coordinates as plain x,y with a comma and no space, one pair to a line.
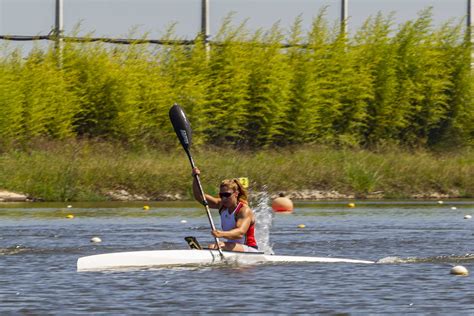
204,201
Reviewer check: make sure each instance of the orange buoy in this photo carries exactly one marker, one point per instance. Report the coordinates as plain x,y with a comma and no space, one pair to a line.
282,204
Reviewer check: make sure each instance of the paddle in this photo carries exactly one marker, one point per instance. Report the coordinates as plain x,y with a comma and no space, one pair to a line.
183,131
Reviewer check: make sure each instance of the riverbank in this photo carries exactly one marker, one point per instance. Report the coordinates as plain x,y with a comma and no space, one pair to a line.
95,171
313,195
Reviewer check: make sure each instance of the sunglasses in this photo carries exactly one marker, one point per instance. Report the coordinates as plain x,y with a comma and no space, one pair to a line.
225,194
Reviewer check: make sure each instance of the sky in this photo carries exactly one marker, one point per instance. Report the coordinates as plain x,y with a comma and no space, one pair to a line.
116,18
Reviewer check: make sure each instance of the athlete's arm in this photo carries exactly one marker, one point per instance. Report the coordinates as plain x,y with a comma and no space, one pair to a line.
213,202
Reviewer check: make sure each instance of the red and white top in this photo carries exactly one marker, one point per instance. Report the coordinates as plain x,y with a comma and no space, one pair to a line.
228,222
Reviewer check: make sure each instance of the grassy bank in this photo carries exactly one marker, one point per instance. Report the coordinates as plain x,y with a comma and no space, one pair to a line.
68,171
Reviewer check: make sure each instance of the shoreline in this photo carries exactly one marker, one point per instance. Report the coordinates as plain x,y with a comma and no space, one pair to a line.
300,195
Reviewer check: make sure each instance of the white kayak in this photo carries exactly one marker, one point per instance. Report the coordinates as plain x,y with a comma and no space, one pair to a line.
162,258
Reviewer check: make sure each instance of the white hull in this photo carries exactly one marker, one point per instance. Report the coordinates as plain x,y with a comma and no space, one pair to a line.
157,258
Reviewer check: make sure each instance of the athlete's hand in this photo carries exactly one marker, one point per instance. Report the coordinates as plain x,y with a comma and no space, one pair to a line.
196,171
217,233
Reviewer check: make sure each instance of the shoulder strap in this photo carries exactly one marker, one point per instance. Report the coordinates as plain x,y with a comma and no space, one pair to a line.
237,209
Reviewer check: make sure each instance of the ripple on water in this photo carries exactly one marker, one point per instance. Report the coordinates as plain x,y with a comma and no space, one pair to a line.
39,255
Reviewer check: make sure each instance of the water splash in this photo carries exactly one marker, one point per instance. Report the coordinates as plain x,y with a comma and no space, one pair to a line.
392,260
264,218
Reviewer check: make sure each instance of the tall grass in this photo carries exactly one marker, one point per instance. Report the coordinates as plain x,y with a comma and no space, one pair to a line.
409,85
85,170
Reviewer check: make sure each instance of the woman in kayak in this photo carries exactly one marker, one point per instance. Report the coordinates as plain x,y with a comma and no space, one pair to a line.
237,219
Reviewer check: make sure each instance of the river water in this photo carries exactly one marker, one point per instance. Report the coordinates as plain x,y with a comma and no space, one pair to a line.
417,243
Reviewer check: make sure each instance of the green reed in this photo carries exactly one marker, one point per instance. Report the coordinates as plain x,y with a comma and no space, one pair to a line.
409,85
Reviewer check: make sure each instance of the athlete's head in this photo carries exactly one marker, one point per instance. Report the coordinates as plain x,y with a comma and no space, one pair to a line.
232,187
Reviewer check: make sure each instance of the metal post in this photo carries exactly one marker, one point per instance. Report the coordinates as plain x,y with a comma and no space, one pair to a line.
205,22
470,13
58,23
344,11
59,28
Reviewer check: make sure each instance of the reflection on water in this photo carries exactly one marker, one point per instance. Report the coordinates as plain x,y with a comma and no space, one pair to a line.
417,242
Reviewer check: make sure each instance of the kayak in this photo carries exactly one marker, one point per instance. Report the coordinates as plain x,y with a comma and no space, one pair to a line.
186,257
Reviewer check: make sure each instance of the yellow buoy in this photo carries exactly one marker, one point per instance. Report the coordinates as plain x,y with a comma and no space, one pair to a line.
146,207
459,270
351,205
301,226
70,216
282,204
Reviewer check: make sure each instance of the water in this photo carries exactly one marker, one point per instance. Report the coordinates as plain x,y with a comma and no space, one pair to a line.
420,241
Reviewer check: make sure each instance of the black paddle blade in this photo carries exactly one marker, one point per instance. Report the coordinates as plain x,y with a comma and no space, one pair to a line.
181,126
192,242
